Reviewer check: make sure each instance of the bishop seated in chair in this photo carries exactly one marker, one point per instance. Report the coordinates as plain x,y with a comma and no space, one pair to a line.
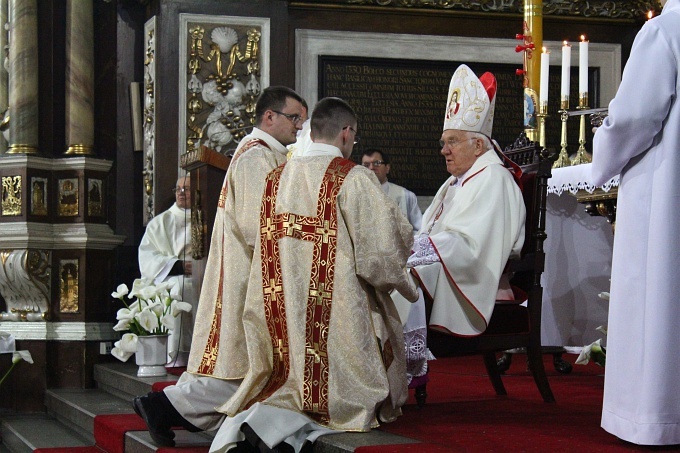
473,226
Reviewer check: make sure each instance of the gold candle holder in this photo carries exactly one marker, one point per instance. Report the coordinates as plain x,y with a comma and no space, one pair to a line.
582,156
563,159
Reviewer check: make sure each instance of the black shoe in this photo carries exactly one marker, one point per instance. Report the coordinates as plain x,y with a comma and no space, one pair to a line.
153,414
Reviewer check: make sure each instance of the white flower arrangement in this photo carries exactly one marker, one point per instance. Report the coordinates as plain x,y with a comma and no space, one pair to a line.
595,351
152,313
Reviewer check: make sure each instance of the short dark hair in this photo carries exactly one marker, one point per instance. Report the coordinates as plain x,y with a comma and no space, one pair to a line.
274,98
331,115
370,151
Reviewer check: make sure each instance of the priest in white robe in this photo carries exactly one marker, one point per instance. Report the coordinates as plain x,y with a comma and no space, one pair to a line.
165,256
640,140
219,359
379,163
474,224
324,340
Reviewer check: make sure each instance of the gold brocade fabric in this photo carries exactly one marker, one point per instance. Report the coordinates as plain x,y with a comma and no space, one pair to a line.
324,338
218,348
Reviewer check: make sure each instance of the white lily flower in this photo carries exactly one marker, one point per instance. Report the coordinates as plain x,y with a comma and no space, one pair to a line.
18,356
123,324
178,306
592,352
603,295
127,342
147,320
126,313
163,286
120,292
148,293
137,286
157,308
120,354
168,321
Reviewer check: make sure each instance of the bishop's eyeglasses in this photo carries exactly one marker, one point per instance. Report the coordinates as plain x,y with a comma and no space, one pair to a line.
180,189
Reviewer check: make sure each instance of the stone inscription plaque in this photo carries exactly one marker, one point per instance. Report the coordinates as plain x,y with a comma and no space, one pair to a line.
401,105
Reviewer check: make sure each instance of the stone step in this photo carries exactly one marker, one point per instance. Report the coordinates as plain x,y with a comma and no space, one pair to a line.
26,432
70,418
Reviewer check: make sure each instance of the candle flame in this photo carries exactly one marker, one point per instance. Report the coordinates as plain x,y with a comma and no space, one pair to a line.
565,43
650,14
545,50
583,38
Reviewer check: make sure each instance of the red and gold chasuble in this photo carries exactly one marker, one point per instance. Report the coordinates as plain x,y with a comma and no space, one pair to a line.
210,352
321,230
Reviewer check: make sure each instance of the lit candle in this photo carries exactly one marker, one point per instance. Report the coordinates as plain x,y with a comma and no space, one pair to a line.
583,66
543,88
566,70
650,14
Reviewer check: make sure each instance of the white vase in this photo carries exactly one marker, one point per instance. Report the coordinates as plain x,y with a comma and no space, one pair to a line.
151,355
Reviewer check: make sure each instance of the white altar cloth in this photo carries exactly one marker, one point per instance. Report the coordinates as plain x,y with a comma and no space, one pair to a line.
578,262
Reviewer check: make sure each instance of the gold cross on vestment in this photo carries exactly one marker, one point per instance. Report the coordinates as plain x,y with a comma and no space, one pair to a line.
326,231
268,229
291,225
280,350
272,288
320,294
316,353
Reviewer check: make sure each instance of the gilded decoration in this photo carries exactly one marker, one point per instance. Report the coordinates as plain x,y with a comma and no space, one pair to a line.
25,284
224,66
149,144
586,8
68,197
68,286
11,195
38,196
94,198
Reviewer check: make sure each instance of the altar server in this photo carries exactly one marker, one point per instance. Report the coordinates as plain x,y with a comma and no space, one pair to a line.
640,140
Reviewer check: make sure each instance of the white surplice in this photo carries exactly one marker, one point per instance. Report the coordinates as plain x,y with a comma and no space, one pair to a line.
166,240
640,139
407,202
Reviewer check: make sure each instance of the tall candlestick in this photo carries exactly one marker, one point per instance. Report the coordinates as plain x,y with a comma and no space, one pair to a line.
583,66
566,71
545,71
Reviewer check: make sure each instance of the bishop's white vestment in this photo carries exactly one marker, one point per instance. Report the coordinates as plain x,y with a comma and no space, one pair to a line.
324,339
640,140
473,225
166,240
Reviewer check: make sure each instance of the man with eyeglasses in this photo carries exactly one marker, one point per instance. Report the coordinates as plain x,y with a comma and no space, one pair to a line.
378,162
165,255
324,340
218,359
473,225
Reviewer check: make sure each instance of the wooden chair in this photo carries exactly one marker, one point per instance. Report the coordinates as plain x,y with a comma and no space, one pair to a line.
512,325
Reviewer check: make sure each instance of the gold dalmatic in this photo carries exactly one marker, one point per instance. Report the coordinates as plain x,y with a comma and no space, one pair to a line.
321,230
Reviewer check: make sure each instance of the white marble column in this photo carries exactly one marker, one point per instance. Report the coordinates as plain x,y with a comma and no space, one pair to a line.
79,77
23,77
4,75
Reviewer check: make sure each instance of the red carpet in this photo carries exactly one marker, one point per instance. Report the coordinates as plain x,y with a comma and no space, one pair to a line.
69,450
464,414
158,386
109,430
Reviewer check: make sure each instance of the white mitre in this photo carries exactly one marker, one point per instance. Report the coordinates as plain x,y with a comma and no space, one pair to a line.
471,101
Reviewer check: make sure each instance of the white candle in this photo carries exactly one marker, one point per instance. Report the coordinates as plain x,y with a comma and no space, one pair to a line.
583,66
566,69
543,88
